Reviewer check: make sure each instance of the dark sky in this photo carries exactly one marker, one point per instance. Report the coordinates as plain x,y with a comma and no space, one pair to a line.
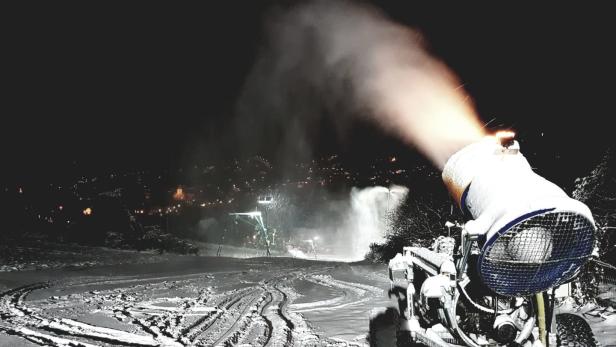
113,86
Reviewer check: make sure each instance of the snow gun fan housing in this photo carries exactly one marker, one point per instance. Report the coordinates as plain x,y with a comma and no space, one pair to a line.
532,235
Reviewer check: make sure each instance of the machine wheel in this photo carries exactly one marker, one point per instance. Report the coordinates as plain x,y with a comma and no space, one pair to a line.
383,327
385,330
403,339
572,330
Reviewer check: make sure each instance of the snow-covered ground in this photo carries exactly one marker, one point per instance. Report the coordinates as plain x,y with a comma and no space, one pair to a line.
41,255
204,301
208,301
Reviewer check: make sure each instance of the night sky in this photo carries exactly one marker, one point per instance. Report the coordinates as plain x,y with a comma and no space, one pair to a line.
93,87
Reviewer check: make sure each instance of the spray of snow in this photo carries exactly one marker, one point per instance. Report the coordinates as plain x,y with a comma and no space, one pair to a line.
368,218
297,253
343,230
345,58
369,215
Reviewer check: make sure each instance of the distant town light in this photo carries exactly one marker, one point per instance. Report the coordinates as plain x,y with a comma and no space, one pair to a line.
179,194
87,211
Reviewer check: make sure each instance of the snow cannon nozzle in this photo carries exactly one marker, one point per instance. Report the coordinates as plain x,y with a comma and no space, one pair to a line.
531,229
506,138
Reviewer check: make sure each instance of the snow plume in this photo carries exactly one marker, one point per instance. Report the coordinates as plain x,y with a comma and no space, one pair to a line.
364,222
342,229
369,217
343,58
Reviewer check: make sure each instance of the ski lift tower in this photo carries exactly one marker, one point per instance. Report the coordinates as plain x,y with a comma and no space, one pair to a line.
267,202
255,218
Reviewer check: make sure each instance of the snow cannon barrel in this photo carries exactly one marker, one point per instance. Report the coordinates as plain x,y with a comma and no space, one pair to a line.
532,235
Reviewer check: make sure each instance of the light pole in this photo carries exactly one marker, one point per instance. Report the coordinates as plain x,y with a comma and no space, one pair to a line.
264,201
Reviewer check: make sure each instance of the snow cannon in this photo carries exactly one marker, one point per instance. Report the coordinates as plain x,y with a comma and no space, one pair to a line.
523,237
532,235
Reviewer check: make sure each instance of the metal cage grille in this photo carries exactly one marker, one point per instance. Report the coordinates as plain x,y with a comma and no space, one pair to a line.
537,253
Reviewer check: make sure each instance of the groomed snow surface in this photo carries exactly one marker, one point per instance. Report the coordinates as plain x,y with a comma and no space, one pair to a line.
193,301
210,301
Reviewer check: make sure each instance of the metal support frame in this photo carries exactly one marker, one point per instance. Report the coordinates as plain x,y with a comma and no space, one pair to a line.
256,220
467,240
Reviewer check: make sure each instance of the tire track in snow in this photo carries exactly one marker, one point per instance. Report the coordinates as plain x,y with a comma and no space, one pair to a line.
13,312
351,294
23,320
199,330
185,312
242,324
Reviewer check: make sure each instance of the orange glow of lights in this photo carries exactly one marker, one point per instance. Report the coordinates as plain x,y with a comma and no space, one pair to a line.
179,194
87,211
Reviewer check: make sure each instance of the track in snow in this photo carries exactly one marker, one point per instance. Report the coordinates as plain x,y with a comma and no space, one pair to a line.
223,309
